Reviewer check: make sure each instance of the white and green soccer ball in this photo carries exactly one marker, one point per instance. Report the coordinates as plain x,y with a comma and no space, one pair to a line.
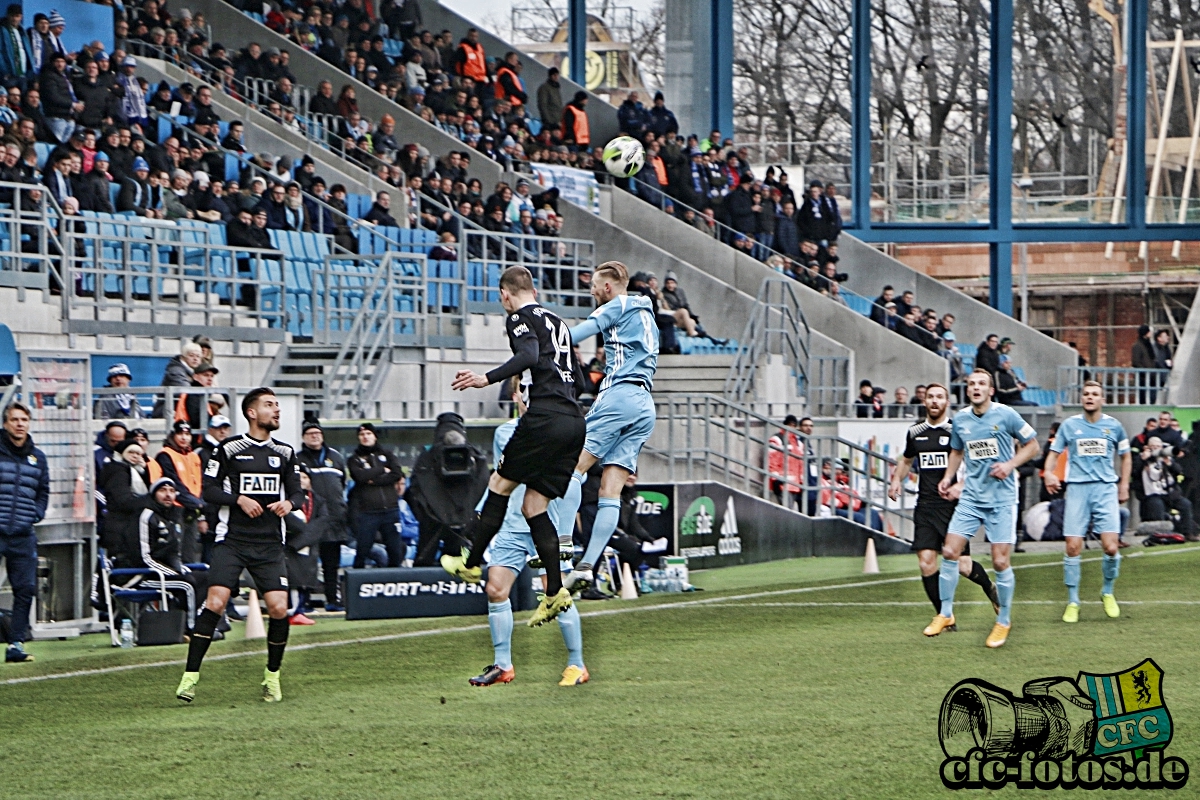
624,156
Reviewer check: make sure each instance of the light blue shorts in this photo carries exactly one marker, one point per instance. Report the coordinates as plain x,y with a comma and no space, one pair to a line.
511,549
1092,505
999,524
619,424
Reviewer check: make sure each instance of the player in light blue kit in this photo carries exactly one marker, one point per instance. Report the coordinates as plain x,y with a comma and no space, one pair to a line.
1093,442
622,418
982,437
507,555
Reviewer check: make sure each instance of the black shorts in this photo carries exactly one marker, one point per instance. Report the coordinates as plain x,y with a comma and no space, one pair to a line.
543,451
930,521
264,561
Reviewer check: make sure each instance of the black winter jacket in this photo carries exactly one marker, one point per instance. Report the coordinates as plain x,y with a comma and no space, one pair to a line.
375,472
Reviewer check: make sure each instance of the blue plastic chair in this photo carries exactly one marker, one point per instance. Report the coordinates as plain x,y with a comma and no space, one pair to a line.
10,360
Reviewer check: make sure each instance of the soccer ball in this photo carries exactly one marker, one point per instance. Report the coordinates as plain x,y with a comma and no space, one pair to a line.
624,156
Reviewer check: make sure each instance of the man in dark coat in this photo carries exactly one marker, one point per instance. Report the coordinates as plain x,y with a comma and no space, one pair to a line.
24,495
327,471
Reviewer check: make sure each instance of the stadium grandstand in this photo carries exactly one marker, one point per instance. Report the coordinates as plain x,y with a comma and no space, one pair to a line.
331,199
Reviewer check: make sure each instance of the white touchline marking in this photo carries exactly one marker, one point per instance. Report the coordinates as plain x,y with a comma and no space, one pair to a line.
835,604
391,637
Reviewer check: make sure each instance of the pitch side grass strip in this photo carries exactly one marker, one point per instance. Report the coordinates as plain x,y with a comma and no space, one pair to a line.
391,637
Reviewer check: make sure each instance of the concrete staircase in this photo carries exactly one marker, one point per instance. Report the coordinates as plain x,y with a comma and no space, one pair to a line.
310,368
692,374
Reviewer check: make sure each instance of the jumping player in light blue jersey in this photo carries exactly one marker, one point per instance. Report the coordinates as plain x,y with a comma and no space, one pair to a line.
982,438
622,418
1093,442
509,552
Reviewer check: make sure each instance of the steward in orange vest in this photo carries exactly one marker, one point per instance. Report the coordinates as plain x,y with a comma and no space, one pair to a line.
508,81
179,462
575,122
470,60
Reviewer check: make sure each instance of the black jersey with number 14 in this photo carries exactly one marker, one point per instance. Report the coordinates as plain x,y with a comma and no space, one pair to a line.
929,448
542,356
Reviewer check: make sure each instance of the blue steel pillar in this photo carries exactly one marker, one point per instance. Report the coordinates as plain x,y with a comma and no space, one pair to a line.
722,66
577,41
1000,172
860,87
1135,135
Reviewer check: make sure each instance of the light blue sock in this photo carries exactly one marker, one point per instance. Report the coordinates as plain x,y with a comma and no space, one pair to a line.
1110,566
567,506
1071,578
500,620
1006,582
607,517
568,624
947,583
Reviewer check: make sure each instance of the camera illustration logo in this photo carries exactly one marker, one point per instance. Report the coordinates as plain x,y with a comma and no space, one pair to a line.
1097,731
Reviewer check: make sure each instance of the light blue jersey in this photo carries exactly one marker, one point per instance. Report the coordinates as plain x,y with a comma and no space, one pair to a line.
630,339
984,441
514,520
1091,448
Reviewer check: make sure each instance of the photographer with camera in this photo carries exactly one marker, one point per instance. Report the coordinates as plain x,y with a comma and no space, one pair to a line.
1161,489
446,484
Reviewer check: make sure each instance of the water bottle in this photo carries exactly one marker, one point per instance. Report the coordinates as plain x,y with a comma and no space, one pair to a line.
127,634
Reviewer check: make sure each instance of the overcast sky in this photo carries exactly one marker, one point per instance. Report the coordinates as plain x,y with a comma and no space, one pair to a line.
476,10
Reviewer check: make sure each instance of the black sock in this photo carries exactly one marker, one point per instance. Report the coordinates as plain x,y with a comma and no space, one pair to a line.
202,634
485,528
979,575
277,635
545,539
931,590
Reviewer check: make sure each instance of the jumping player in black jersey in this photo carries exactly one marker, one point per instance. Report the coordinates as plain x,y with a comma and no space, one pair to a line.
546,444
254,481
928,446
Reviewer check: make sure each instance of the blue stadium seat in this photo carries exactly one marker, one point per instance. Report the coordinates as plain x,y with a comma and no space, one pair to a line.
233,167
856,302
43,153
10,361
114,189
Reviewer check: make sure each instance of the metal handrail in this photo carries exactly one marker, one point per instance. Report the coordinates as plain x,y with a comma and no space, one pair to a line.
16,221
776,324
130,274
558,267
829,389
1123,386
163,400
705,437
373,330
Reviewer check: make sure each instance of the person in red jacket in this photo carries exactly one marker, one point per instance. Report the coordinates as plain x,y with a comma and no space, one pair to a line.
786,460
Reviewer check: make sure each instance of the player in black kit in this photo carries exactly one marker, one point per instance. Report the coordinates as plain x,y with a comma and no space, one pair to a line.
254,481
928,446
546,444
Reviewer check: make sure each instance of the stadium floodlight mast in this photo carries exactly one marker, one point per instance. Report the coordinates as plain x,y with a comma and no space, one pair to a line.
1000,232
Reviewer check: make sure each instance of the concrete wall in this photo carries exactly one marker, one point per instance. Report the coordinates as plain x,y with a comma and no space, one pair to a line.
602,117
235,30
262,135
880,355
870,270
1185,375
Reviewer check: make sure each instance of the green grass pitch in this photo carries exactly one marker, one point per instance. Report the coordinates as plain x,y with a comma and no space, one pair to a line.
766,685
